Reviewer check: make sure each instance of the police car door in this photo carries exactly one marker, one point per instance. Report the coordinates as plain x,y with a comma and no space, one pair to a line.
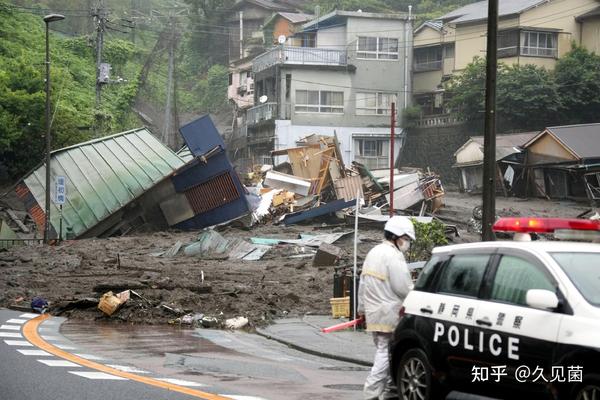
515,343
453,307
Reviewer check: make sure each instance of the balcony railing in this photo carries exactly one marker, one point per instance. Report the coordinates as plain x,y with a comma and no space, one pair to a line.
263,112
428,66
299,56
437,120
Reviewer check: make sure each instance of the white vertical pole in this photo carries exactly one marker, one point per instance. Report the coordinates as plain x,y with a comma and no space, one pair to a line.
241,35
355,252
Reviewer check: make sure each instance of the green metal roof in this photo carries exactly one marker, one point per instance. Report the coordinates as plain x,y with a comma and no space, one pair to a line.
102,176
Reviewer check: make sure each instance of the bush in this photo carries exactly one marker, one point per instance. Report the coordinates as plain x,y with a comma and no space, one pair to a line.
428,236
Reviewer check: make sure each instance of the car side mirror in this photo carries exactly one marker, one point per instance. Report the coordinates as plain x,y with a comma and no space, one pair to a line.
542,299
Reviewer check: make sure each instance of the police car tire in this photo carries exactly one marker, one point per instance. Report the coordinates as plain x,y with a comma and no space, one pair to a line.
415,356
590,381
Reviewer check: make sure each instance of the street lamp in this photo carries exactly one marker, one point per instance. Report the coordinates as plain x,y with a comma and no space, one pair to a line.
48,19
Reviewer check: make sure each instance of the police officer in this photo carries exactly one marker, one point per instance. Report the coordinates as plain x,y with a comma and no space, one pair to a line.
384,283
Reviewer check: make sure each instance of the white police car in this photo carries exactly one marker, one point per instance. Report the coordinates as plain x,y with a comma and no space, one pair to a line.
505,319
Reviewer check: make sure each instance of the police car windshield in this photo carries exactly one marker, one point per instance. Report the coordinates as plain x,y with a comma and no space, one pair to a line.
584,271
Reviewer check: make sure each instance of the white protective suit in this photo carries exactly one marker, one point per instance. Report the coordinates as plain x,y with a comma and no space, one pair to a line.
384,283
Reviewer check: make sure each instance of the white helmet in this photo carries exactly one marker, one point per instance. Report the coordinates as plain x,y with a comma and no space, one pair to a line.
400,226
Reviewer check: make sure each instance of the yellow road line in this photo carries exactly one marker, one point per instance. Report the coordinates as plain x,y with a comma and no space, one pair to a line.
30,332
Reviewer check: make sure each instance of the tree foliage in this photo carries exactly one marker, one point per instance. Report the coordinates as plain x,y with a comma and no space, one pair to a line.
73,76
530,97
577,76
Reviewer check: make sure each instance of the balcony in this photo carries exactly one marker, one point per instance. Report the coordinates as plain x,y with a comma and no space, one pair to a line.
263,112
299,56
428,66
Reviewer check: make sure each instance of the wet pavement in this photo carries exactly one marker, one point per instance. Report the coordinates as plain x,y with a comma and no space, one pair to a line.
231,361
305,334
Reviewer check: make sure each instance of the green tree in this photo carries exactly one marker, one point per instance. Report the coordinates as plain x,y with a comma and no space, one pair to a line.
207,37
578,79
527,95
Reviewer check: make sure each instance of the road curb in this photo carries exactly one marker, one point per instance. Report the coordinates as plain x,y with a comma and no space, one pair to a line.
312,351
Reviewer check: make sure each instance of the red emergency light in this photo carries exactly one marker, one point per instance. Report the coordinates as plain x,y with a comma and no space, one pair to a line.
544,225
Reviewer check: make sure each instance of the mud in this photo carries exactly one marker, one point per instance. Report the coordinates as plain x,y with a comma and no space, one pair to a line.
274,287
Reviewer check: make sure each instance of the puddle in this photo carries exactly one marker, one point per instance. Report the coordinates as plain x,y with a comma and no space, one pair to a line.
141,340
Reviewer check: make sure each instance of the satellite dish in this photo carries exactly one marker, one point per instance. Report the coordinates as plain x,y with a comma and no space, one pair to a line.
263,99
281,39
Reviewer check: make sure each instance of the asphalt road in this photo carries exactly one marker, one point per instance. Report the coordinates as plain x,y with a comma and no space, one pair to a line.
80,361
26,373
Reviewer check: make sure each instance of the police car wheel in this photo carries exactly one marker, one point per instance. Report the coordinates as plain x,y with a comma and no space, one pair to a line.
589,389
414,376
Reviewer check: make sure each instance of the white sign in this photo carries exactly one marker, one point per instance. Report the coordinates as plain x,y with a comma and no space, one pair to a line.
60,192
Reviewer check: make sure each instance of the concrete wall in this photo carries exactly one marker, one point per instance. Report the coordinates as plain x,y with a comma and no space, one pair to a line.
425,82
370,76
238,77
287,135
434,147
332,38
381,75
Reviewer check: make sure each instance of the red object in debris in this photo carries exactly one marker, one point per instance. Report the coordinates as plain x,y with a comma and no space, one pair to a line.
343,325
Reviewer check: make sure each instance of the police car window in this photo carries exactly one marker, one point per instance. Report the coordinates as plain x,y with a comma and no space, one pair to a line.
463,275
514,277
427,273
583,269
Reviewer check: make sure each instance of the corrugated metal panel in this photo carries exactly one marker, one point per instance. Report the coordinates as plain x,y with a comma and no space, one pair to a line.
102,176
212,194
185,154
346,188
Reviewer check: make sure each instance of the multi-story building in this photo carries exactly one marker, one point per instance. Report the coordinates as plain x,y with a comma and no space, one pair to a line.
529,32
342,80
240,91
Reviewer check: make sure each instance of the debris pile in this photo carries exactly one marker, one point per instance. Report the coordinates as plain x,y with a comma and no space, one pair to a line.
314,182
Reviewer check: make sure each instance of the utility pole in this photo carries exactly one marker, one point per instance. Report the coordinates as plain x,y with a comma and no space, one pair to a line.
100,16
489,138
168,136
241,35
392,166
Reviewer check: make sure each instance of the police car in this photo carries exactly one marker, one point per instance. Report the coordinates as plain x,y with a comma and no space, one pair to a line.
511,319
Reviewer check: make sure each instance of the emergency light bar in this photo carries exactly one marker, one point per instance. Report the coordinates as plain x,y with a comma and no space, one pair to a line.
544,225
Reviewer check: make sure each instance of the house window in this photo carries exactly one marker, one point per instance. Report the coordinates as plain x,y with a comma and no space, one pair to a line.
321,101
230,79
372,152
449,51
374,103
309,40
381,48
539,44
508,44
428,58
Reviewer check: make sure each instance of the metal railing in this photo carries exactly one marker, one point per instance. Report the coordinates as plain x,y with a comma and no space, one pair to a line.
437,120
428,66
510,51
262,112
539,51
299,56
6,243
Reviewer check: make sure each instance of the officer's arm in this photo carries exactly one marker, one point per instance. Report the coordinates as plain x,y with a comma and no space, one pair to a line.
400,279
